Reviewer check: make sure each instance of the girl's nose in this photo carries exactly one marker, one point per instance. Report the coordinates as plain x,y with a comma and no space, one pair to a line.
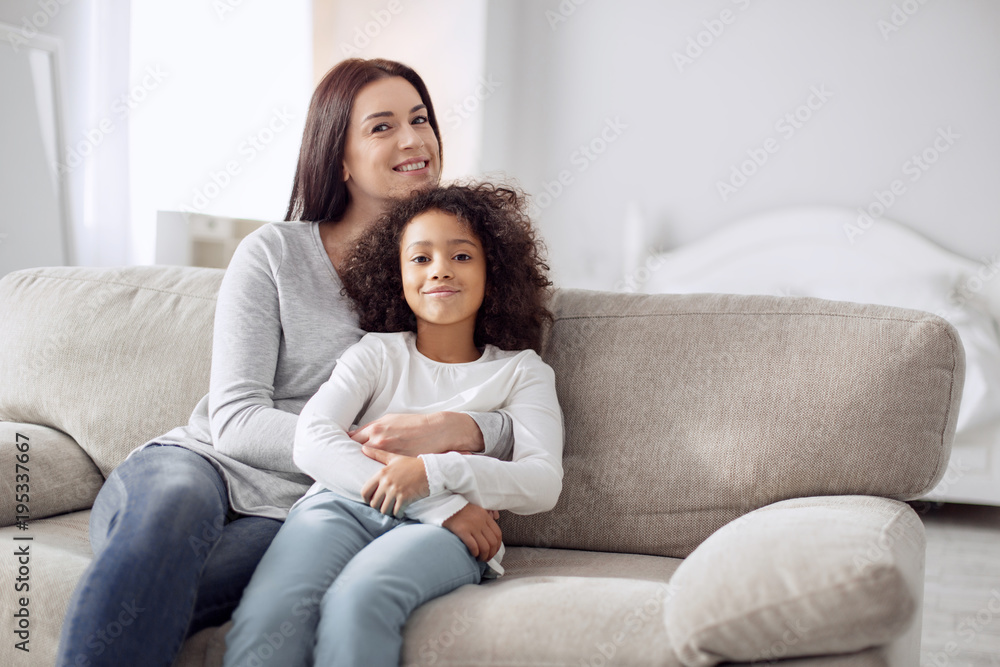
442,270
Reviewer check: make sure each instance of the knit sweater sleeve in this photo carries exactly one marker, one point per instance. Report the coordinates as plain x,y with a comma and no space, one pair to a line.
244,423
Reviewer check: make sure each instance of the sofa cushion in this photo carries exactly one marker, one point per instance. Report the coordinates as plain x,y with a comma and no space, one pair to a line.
59,552
111,357
60,476
727,403
803,577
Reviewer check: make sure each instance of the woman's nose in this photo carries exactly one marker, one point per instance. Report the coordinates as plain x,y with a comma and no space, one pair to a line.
409,137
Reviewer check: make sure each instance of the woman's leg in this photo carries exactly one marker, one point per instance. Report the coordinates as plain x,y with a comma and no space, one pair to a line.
133,604
275,623
229,567
363,614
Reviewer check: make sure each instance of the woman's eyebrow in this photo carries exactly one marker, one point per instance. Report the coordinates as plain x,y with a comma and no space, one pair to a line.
389,114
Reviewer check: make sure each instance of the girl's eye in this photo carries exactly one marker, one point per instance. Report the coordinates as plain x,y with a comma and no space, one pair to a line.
462,257
420,259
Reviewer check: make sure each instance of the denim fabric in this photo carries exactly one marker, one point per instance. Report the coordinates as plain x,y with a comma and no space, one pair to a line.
338,583
165,561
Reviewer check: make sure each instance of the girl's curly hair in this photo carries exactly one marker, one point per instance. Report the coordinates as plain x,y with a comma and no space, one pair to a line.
514,310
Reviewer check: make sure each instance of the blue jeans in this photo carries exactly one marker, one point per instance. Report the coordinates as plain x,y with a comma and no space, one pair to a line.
338,583
166,561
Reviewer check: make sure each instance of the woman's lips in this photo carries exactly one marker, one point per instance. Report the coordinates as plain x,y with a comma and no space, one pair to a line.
416,165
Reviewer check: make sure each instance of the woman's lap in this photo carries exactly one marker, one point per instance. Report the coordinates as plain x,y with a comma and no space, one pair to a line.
153,530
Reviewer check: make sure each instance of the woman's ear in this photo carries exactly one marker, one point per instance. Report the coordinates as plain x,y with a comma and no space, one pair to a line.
346,173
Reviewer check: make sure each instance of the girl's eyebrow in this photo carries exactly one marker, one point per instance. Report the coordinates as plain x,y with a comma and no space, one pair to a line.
389,114
451,242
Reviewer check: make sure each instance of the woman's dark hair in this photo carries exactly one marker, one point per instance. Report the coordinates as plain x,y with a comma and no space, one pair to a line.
318,191
514,310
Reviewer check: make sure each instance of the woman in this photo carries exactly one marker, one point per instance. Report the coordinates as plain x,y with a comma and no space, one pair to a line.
179,527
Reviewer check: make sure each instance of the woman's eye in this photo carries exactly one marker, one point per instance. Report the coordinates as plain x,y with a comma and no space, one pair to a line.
381,127
419,119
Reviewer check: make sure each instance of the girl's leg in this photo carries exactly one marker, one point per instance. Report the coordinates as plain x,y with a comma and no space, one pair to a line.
133,604
363,614
275,623
229,568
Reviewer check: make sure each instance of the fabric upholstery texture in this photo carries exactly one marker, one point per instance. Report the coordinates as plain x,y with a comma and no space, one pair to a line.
59,553
682,413
60,476
731,403
808,576
111,357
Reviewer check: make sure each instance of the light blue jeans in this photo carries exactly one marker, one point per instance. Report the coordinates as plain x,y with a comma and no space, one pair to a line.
338,583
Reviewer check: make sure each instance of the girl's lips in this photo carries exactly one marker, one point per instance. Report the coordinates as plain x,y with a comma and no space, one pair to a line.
442,293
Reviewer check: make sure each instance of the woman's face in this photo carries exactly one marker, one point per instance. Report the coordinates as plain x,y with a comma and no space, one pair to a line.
391,149
444,270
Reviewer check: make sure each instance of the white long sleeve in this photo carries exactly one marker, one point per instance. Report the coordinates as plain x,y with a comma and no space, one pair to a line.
532,480
385,373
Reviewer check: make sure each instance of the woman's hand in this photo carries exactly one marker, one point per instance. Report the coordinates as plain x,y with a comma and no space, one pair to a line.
412,435
478,529
399,483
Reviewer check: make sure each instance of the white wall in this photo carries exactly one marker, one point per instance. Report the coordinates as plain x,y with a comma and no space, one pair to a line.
580,70
220,93
93,65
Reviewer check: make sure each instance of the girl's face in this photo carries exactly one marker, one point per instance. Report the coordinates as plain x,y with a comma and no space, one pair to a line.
390,149
444,270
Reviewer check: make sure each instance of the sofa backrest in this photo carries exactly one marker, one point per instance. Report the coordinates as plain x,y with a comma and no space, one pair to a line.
112,357
684,412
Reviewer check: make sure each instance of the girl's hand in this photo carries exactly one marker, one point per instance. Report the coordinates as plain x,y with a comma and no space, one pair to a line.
478,529
399,483
412,435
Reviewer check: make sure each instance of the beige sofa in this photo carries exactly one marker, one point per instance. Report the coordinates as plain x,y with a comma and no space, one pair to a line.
735,471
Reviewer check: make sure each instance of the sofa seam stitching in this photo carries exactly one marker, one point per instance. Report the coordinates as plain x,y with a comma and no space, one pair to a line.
123,284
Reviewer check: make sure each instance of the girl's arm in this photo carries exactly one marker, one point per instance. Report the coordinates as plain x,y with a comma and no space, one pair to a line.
243,421
325,452
532,480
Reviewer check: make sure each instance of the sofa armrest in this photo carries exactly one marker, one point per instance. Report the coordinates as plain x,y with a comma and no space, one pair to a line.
52,476
807,576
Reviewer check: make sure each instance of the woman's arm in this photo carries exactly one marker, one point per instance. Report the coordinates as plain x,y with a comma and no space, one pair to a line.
487,433
532,480
323,449
244,423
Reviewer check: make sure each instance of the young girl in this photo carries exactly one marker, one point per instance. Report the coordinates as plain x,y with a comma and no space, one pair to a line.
454,279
